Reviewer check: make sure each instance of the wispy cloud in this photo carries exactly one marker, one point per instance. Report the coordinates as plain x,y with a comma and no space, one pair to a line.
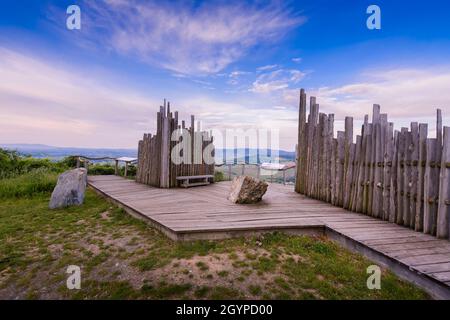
267,67
44,102
235,75
276,80
200,39
297,60
403,93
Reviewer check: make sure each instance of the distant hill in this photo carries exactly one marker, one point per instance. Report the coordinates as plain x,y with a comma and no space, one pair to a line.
57,153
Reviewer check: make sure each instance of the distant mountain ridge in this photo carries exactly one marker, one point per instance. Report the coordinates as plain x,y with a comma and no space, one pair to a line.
56,153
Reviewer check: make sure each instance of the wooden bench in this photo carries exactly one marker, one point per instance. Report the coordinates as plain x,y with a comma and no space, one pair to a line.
204,180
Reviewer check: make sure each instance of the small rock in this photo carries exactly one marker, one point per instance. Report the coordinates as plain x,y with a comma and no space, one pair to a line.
245,189
69,189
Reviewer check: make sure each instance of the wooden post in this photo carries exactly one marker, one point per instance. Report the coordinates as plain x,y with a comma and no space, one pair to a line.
443,216
301,147
429,218
329,159
387,170
414,154
393,201
407,179
340,168
347,170
423,132
126,169
116,167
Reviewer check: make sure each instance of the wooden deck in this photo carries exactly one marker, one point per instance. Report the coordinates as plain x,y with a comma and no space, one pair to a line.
205,213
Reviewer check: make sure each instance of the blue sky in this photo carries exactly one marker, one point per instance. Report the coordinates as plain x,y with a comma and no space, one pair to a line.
233,65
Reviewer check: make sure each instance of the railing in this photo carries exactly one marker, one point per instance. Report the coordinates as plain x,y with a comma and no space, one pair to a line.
85,160
259,167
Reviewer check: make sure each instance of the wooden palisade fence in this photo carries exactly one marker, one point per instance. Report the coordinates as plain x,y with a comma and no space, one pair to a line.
155,166
398,176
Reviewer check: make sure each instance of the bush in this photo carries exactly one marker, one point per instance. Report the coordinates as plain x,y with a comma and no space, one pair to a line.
107,169
38,181
131,170
218,176
13,164
101,169
69,162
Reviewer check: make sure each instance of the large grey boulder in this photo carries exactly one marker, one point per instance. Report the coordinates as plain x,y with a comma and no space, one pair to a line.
245,189
70,189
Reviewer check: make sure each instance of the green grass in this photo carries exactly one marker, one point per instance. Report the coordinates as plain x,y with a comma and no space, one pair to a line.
123,258
39,181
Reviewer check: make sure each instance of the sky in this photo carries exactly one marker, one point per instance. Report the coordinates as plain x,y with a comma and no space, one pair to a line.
233,64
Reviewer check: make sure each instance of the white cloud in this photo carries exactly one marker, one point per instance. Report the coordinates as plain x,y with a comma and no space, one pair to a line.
43,102
238,73
297,60
403,93
276,80
185,39
406,95
267,67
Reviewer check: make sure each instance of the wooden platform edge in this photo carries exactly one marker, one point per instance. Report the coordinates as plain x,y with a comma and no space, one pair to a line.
438,290
165,230
315,230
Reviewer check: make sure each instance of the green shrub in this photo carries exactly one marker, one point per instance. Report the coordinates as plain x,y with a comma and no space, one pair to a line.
38,181
101,169
69,162
13,164
131,170
218,176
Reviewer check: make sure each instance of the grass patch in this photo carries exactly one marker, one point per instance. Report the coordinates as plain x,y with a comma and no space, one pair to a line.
123,258
36,182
